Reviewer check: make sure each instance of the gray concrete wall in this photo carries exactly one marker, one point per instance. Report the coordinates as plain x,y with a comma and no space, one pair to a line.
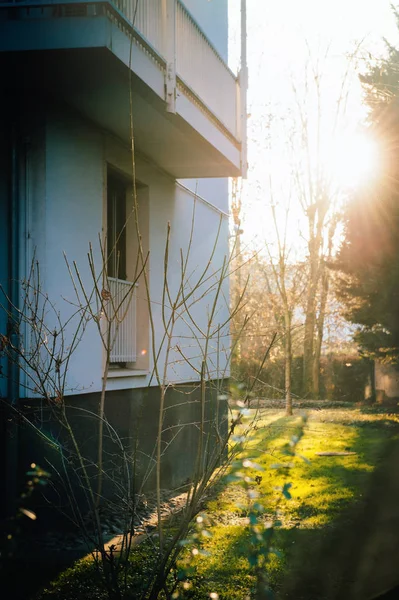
4,238
133,418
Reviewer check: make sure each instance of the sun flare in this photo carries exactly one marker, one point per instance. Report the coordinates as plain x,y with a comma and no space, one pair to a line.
354,160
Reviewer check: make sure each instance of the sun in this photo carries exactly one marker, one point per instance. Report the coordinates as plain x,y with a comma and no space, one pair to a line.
354,160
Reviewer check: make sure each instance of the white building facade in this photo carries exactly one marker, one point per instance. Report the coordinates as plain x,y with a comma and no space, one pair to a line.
84,81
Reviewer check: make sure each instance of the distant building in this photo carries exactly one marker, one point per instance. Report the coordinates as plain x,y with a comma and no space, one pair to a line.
386,382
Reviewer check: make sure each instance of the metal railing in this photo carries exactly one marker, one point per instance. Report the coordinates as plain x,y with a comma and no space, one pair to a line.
198,64
123,327
201,71
146,15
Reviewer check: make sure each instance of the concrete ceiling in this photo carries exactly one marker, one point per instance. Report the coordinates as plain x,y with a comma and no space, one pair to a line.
96,83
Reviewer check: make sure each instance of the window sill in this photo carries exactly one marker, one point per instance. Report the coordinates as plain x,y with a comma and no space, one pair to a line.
114,373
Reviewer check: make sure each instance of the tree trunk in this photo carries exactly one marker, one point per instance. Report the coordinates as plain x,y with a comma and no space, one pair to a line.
316,370
315,265
308,353
324,273
320,330
330,377
310,324
288,364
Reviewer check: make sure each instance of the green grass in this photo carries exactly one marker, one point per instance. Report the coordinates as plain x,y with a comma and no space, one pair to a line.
328,495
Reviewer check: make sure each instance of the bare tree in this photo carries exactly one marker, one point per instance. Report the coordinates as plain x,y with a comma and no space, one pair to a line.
287,278
44,354
318,115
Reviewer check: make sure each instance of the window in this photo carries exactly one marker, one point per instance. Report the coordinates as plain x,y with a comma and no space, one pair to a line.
130,350
116,227
123,291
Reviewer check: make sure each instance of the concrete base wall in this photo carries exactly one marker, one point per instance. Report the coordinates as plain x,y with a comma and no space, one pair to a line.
129,441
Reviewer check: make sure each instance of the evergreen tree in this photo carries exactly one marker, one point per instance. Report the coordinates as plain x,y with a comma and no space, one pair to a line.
369,256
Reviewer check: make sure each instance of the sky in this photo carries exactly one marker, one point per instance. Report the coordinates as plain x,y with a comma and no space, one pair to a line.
284,39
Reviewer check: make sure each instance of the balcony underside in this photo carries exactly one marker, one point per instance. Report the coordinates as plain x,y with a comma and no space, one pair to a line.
85,62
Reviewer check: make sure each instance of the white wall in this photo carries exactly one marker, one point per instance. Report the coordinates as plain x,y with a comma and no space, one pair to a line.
74,192
169,203
178,208
76,155
215,190
212,17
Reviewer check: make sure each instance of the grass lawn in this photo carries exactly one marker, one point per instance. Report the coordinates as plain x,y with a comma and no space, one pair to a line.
321,526
328,493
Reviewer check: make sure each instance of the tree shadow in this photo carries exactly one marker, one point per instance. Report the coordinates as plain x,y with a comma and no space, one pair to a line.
354,554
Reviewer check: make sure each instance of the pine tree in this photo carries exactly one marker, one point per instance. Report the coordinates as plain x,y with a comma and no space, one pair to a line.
369,256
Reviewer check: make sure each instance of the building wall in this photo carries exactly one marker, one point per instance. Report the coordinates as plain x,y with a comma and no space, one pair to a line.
214,190
66,215
62,189
62,167
4,241
212,17
133,414
6,452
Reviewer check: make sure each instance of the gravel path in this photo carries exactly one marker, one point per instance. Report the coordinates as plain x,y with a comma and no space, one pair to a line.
66,546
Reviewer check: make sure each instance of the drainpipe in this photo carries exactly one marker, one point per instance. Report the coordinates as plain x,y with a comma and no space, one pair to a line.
12,366
244,87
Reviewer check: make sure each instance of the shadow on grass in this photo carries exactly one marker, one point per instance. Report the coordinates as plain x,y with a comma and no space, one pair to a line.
29,570
354,553
357,556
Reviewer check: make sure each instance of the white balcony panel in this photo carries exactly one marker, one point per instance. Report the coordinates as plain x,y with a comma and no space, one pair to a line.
202,69
84,54
198,64
123,327
146,18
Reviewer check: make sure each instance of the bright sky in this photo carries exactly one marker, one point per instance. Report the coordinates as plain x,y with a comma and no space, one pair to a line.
281,37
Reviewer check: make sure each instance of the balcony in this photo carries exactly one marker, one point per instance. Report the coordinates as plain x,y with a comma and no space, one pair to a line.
122,315
186,101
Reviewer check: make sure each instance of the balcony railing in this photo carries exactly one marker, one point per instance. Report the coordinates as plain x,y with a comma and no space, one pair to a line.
204,71
122,306
171,33
147,18
199,66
